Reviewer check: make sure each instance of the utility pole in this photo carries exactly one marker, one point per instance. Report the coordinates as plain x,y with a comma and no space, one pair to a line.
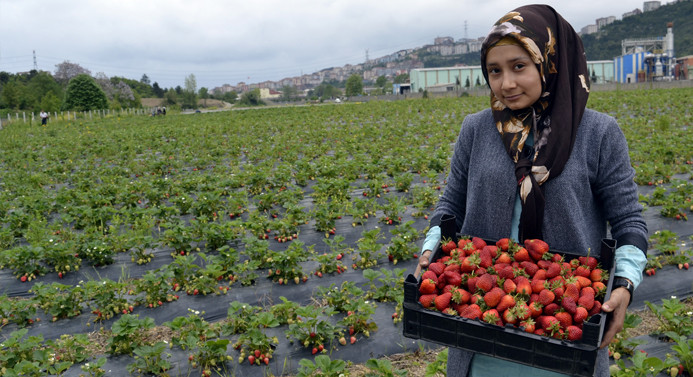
35,65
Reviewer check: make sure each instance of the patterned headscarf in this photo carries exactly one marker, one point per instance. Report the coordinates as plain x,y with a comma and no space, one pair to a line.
559,56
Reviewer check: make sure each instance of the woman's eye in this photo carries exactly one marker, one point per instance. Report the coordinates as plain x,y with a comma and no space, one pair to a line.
519,65
493,70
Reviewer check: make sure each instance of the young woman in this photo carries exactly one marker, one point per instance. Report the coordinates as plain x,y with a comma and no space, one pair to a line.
538,164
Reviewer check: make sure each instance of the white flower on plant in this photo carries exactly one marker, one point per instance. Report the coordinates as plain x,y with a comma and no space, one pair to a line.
673,297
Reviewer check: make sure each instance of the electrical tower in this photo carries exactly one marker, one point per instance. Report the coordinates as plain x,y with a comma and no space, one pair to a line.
465,30
35,65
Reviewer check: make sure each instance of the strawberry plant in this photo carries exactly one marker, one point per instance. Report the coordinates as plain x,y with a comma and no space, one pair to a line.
179,237
285,312
286,266
239,318
340,298
683,350
402,245
622,343
154,289
127,333
191,330
59,300
311,331
150,360
393,210
71,349
25,262
368,248
254,343
323,366
642,365
21,312
94,249
358,318
360,209
672,316
95,369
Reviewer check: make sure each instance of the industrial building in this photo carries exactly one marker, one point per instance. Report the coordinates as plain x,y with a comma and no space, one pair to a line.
644,59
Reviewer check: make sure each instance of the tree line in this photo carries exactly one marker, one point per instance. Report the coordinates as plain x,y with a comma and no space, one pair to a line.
72,87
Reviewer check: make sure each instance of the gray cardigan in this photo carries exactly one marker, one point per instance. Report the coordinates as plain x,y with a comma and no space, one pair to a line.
596,187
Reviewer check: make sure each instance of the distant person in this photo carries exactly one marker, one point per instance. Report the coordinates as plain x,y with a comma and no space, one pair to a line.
44,118
163,111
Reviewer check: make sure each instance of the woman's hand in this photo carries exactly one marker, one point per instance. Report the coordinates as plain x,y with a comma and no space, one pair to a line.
617,306
424,261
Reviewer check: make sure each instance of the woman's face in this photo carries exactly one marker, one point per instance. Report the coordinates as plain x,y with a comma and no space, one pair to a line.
513,77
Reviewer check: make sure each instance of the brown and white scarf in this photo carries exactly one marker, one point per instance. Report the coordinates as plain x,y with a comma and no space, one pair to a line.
557,51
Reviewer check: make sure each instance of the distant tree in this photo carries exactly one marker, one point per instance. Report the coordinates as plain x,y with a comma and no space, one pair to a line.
190,92
66,70
230,97
171,97
83,93
10,97
326,90
156,89
50,102
41,85
354,85
178,90
381,81
401,78
204,94
145,79
4,77
251,98
289,93
478,81
466,83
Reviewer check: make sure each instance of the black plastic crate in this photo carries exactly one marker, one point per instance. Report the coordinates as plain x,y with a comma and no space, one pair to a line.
510,343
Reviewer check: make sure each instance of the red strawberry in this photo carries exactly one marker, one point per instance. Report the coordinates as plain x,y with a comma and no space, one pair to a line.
547,322
553,270
536,309
471,283
509,286
538,285
596,309
460,296
551,308
546,296
442,302
522,311
472,311
521,255
430,275
590,262
565,318
504,257
492,316
453,278
586,301
452,266
569,304
506,272
478,243
574,333
503,243
540,274
599,288
506,302
509,316
523,285
583,281
529,325
427,300
427,287
493,297
529,267
580,315
486,259
462,242
536,246
437,268
448,246
486,282
572,291
598,275
583,271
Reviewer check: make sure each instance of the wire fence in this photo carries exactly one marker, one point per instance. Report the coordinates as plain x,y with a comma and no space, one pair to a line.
31,117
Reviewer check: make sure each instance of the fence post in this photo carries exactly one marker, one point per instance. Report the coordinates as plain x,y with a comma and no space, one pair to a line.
24,116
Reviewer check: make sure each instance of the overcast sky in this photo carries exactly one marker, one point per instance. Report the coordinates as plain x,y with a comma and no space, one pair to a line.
226,42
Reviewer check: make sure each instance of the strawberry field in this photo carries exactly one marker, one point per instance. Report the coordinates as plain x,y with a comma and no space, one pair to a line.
271,241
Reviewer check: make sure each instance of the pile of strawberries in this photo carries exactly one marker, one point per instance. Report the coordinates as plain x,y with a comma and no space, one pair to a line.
506,283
